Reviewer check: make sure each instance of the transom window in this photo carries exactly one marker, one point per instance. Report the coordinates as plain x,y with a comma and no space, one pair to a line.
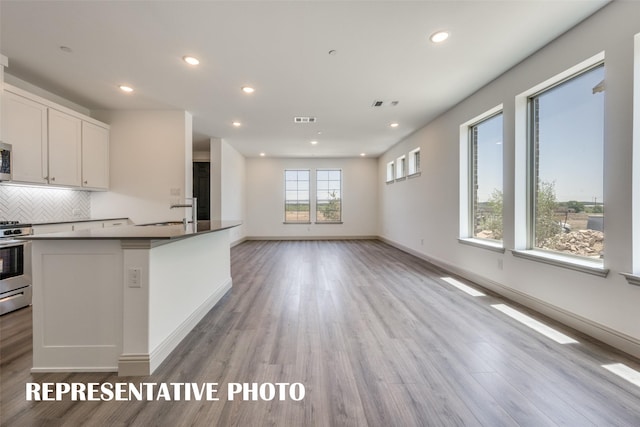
390,172
414,161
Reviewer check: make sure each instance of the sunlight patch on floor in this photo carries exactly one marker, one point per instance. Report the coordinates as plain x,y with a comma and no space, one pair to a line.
625,372
464,288
537,326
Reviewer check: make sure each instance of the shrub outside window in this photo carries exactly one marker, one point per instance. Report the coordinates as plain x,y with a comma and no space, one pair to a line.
329,195
485,172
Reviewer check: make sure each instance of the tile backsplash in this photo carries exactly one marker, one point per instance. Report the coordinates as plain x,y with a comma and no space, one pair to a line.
34,204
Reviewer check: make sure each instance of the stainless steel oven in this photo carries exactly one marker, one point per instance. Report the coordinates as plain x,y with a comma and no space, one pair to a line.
15,267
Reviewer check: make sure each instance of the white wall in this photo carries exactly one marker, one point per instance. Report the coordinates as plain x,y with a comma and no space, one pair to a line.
265,198
149,153
604,307
233,189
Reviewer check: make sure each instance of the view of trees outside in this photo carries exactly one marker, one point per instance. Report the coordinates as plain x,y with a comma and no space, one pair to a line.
568,147
486,153
568,138
328,197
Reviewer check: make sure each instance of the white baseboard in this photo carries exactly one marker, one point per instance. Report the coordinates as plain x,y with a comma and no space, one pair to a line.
146,364
311,238
616,339
237,242
42,370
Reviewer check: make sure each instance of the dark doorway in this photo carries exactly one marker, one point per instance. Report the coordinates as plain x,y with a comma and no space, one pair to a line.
202,188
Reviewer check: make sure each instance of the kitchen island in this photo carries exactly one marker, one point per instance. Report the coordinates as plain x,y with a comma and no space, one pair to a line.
121,299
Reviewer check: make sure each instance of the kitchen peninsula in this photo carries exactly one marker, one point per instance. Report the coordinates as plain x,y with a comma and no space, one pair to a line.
121,299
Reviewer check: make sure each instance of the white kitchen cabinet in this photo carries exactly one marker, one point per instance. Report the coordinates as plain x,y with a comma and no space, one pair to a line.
24,125
95,156
3,63
65,149
51,143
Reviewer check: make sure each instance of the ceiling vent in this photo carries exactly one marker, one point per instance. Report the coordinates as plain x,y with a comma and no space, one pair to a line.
304,119
384,103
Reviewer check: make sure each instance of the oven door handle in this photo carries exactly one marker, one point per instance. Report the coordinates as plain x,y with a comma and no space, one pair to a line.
10,297
7,243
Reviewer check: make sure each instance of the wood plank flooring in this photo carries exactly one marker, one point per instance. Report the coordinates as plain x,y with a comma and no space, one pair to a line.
373,333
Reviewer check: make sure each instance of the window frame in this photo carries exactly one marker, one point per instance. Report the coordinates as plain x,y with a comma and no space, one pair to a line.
414,163
339,220
523,244
297,200
467,181
401,168
391,172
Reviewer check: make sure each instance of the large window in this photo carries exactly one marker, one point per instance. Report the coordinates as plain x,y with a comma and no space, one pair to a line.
485,173
296,204
329,195
566,200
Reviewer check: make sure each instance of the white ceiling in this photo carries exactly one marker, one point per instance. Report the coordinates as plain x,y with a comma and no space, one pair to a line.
282,49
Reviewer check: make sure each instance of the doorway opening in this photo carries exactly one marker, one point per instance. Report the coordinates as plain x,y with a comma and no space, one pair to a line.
202,188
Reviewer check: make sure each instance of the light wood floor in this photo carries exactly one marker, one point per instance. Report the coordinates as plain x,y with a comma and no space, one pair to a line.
376,337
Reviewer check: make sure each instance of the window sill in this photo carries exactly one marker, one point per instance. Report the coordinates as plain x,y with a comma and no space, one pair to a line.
402,178
329,222
297,222
390,182
492,245
632,279
414,175
573,263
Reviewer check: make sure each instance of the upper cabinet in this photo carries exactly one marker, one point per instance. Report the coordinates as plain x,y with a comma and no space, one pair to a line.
52,144
95,156
24,125
65,149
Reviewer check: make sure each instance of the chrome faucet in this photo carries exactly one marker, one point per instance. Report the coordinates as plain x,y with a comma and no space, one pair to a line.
194,212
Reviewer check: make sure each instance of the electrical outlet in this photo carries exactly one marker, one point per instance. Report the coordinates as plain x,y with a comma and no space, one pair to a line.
76,213
134,278
174,191
421,242
500,265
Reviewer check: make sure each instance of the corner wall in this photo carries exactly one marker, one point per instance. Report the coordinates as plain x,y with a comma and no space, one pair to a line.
149,152
421,215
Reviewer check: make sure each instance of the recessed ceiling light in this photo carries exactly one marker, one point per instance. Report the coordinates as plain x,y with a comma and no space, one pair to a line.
248,89
66,49
237,124
439,36
333,52
394,125
191,60
262,154
125,88
313,142
362,154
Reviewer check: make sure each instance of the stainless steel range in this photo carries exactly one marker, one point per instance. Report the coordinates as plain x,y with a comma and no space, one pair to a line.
15,266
